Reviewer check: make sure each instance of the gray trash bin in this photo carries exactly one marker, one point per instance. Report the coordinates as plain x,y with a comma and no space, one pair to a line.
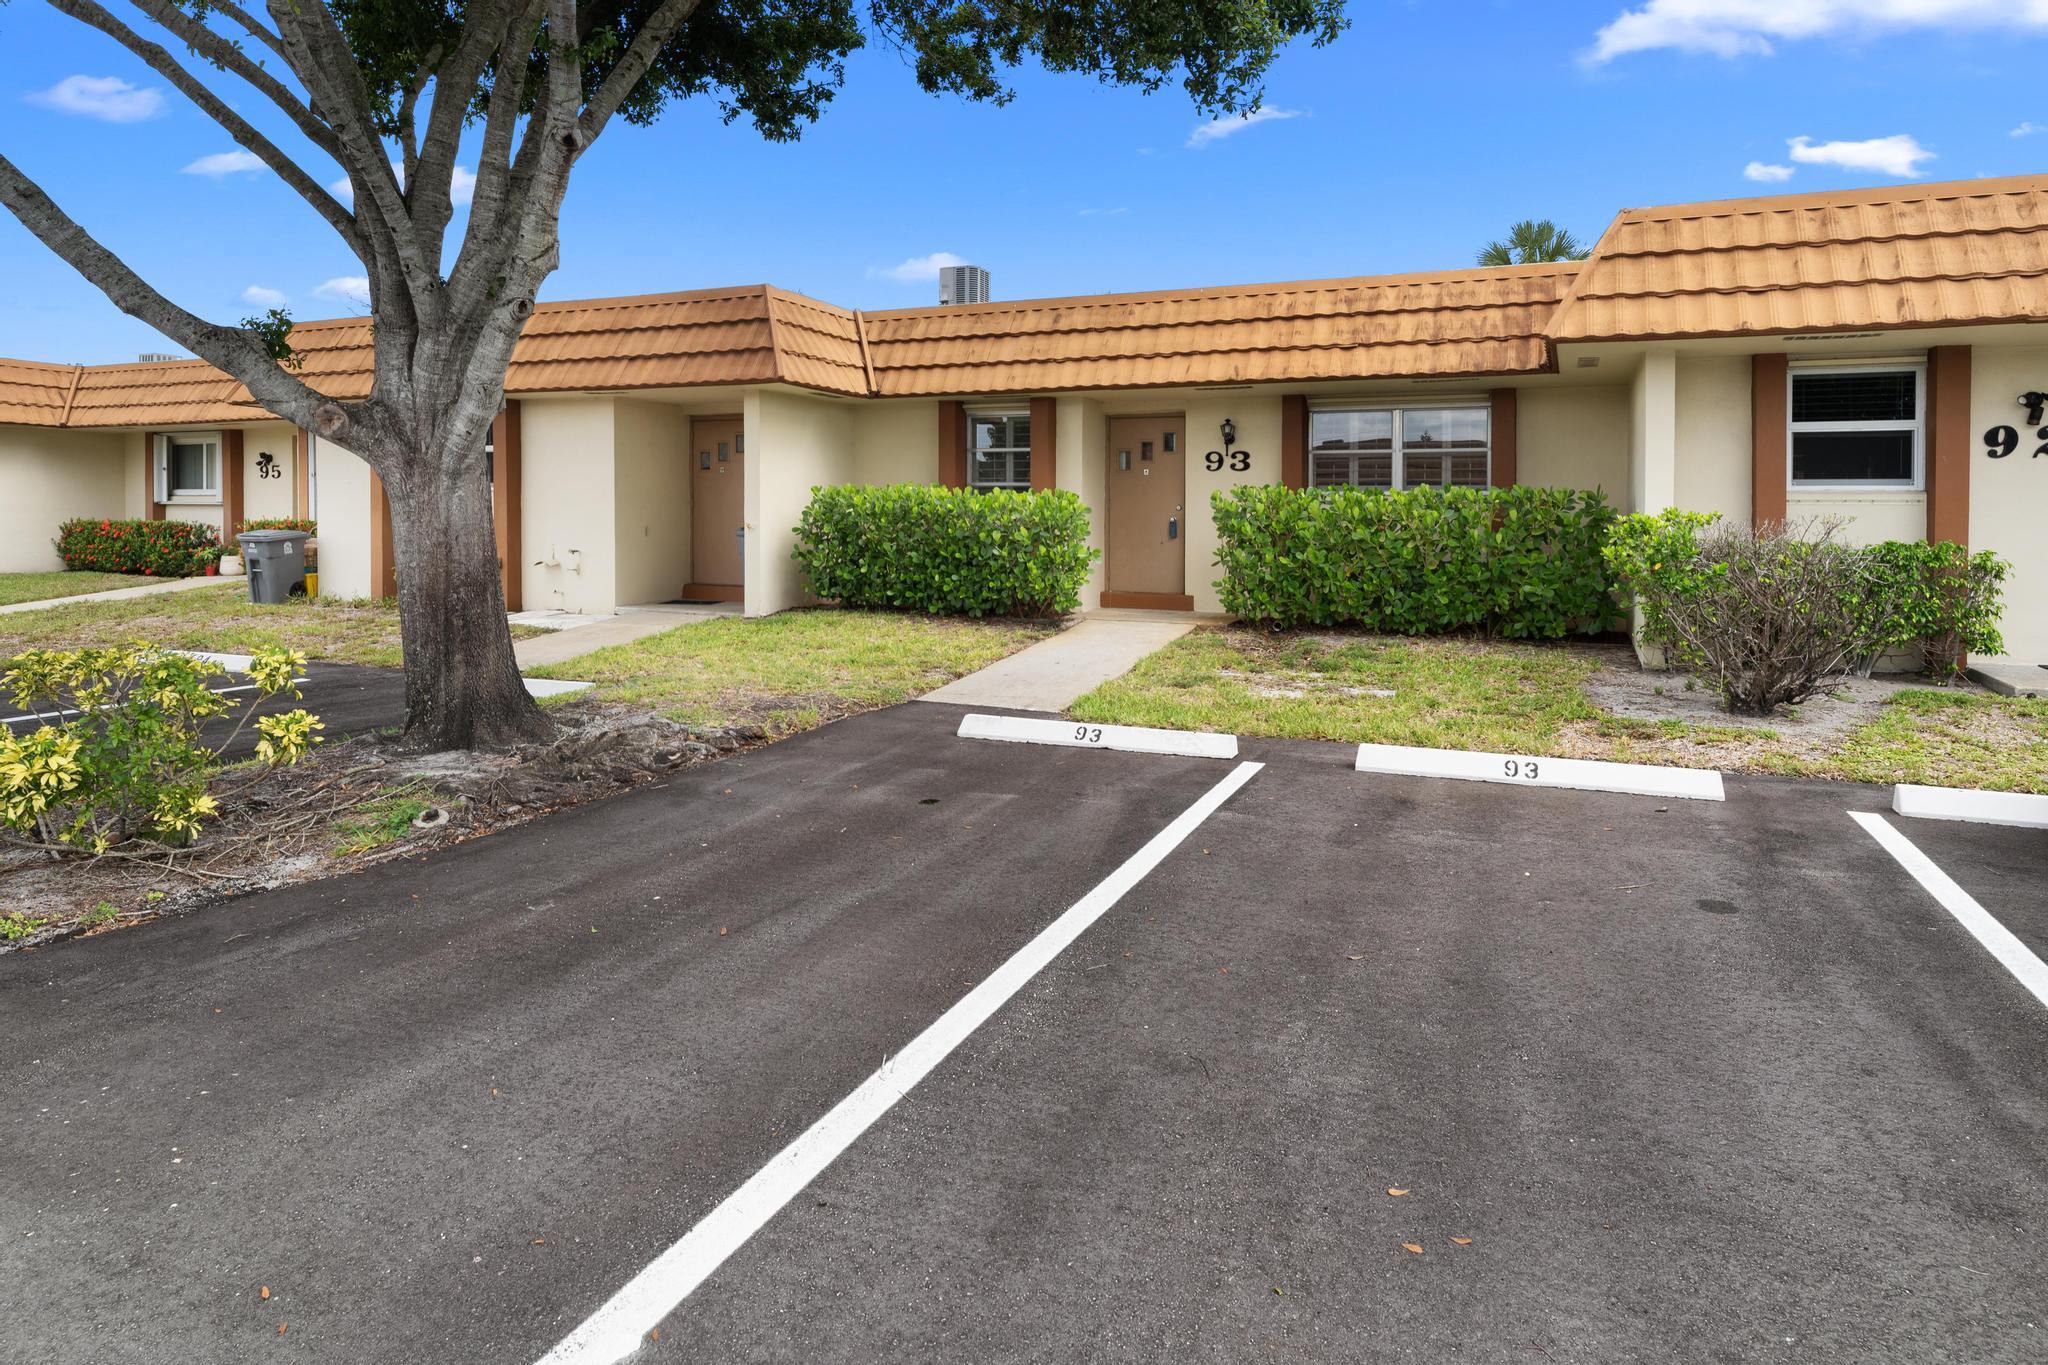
276,562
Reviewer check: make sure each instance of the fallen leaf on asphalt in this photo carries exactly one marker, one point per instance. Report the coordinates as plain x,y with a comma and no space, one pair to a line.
1462,1241
216,1009
265,1291
654,1335
721,931
1396,1193
1357,957
280,1329
538,1242
494,1092
1415,1247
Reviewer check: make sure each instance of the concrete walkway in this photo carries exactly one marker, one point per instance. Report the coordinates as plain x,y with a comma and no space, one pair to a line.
627,625
1052,674
116,594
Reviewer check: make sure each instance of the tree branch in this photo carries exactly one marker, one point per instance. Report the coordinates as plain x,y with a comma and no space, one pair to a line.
248,23
233,60
164,64
619,82
230,349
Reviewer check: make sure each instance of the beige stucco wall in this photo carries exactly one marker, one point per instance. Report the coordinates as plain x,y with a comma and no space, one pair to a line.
568,504
1712,472
48,477
895,441
1257,415
794,443
1576,437
342,505
651,472
1653,433
1083,438
271,497
1867,517
2009,496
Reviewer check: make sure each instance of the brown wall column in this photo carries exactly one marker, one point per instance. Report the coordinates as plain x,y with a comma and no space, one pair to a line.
1769,467
505,501
1294,440
301,447
230,485
1045,444
1503,431
152,510
383,572
1948,443
952,443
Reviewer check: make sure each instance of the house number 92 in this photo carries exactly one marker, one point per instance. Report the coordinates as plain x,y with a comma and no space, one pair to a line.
2000,442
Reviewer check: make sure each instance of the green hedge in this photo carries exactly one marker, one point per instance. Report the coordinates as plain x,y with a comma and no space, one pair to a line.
1518,562
306,524
949,551
168,549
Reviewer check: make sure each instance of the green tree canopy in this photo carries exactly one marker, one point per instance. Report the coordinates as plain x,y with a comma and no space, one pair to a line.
1531,242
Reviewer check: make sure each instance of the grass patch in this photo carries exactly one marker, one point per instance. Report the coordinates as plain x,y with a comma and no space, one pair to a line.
1951,739
1530,699
794,670
34,587
1447,693
382,820
222,619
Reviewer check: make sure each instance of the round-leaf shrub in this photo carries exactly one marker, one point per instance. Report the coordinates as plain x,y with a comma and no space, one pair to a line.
1518,562
947,551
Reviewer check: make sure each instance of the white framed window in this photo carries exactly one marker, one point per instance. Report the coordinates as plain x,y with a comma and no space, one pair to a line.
1443,446
188,467
1857,426
999,450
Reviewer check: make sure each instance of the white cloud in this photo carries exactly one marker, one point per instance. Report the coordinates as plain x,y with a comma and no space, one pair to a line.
916,270
1104,213
1216,129
2028,130
261,297
1766,172
346,289
1734,28
225,164
1898,154
107,98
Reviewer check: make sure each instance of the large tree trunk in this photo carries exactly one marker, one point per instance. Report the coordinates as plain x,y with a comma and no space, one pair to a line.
462,685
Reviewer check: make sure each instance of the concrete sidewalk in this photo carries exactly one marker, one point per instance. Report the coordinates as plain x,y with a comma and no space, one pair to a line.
1052,674
625,626
117,594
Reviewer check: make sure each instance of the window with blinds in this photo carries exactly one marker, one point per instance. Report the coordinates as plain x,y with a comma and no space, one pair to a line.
1857,426
1440,447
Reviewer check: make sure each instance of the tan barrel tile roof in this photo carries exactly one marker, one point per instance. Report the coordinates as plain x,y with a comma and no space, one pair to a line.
1952,254
35,394
1476,321
171,392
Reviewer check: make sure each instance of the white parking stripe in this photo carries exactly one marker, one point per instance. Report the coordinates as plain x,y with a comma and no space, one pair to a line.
616,1330
1996,938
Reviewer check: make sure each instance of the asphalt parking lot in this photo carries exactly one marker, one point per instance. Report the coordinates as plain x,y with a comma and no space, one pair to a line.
349,699
1661,1079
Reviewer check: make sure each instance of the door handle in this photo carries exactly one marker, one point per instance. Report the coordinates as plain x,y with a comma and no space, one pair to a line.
1173,528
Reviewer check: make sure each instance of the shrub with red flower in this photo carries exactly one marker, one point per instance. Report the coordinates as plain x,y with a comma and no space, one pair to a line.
166,549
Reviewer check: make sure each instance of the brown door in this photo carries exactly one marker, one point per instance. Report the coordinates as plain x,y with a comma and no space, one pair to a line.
717,501
1147,512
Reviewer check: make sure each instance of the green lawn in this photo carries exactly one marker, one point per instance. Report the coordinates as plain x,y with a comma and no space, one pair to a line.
217,618
794,670
34,587
1529,699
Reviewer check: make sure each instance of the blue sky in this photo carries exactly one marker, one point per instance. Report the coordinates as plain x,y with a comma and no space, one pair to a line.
1424,131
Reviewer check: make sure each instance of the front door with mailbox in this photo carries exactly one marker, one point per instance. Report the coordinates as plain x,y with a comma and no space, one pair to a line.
1147,518
717,508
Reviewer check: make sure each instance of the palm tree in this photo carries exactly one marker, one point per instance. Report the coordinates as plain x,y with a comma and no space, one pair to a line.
1533,241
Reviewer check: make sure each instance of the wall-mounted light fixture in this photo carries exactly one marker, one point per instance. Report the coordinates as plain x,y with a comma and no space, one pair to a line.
1229,434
